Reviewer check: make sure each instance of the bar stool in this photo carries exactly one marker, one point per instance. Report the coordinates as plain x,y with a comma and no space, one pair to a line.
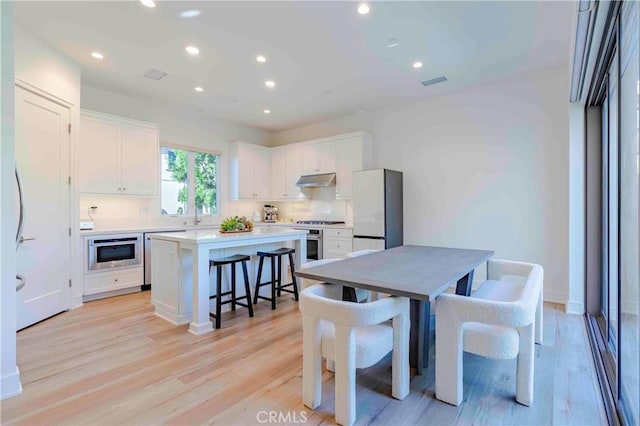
276,284
219,263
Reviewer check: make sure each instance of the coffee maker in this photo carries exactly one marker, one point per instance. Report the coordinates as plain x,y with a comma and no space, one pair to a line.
269,213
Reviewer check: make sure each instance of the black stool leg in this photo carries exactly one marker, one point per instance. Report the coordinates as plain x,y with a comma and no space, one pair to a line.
255,296
233,286
279,272
218,297
273,284
293,277
247,288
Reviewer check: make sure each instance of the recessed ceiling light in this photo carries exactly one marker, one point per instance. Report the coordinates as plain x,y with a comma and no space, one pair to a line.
270,84
148,3
393,42
417,64
97,55
267,111
363,9
261,58
192,13
198,89
192,50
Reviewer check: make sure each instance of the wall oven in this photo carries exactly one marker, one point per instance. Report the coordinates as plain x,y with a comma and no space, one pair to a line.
314,243
114,251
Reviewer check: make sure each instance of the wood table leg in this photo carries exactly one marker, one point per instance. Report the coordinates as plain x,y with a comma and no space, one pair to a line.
463,287
419,335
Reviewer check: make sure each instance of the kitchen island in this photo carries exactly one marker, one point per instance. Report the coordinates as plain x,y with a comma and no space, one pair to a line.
180,268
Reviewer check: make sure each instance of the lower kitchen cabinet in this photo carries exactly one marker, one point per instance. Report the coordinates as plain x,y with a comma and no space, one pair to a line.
337,243
102,282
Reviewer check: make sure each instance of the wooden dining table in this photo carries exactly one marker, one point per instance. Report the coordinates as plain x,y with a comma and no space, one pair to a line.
420,273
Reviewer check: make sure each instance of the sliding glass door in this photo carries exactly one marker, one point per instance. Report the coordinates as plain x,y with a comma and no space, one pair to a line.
619,322
628,245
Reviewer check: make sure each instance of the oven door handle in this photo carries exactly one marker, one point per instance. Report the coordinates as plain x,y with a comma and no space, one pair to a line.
123,243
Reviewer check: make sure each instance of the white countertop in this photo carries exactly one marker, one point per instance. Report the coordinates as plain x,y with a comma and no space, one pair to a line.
214,236
208,228
303,225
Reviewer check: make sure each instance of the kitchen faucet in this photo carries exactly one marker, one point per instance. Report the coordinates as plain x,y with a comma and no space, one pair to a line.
196,220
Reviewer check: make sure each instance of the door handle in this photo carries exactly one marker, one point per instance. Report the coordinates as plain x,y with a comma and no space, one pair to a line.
22,239
22,282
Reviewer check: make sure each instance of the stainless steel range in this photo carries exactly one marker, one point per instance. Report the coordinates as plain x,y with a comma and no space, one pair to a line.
314,238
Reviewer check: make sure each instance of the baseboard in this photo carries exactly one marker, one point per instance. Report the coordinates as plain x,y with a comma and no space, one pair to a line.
559,297
77,302
629,307
10,385
576,308
90,297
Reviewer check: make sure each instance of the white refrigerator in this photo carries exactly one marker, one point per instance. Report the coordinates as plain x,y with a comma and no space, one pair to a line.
377,209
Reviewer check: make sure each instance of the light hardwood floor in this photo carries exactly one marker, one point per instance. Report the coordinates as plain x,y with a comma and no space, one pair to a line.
112,362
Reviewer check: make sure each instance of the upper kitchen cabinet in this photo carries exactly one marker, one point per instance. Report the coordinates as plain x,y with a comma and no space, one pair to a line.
250,167
285,171
318,158
353,152
117,155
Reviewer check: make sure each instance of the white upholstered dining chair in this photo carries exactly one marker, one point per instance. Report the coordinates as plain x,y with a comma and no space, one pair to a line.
361,252
362,295
501,320
355,335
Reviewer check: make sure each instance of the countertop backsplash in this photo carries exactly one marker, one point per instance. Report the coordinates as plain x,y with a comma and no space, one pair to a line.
322,206
114,211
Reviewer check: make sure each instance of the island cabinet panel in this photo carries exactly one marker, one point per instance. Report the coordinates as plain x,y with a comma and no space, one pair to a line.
169,294
172,295
183,282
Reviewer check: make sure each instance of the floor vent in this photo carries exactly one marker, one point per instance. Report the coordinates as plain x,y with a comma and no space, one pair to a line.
434,80
155,74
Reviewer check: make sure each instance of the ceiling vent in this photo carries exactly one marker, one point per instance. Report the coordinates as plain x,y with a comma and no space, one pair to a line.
434,80
155,74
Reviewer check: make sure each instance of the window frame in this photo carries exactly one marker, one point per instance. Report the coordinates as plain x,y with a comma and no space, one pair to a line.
191,176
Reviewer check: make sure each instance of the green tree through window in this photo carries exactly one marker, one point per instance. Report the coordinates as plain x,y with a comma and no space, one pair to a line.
196,172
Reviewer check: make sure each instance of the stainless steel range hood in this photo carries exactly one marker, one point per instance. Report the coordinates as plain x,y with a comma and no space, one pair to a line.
317,181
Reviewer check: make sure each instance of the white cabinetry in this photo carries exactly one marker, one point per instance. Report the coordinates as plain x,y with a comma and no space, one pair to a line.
318,158
101,282
285,170
337,243
250,169
271,173
117,156
352,153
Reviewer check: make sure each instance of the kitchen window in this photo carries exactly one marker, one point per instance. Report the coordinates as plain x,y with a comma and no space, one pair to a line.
189,181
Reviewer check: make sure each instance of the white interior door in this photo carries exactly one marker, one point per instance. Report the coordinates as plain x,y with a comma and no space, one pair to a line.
42,157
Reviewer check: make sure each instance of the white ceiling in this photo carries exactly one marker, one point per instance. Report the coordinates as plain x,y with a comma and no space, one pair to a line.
326,59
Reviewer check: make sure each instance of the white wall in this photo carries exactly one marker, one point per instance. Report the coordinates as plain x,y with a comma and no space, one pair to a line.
177,125
9,374
484,168
47,69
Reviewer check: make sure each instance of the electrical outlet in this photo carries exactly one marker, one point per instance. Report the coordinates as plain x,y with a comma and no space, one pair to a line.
143,210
